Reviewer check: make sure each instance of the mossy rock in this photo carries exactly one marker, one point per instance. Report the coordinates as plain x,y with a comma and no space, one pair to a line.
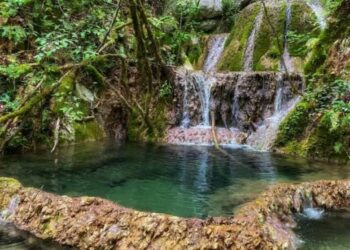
88,131
138,132
317,128
232,58
64,90
269,42
8,188
294,124
267,50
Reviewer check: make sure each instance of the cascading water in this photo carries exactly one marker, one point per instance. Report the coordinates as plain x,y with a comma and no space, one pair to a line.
279,94
201,83
204,83
248,106
202,80
249,51
216,48
235,106
185,123
317,8
265,135
287,64
309,211
248,64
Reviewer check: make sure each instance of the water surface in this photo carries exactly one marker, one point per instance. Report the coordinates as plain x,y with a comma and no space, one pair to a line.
189,181
331,232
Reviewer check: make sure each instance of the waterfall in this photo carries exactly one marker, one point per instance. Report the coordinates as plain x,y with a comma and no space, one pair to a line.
248,64
185,123
317,8
308,209
265,135
251,105
215,50
204,83
249,51
279,94
288,64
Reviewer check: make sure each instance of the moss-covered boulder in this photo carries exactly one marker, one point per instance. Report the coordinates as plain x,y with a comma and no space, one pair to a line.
8,188
232,58
268,41
319,125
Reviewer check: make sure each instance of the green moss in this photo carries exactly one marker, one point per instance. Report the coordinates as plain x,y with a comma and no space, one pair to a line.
232,59
198,60
337,28
137,131
88,131
63,92
303,28
96,75
294,124
267,53
8,188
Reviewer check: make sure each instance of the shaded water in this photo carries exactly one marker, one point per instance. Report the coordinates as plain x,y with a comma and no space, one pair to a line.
331,232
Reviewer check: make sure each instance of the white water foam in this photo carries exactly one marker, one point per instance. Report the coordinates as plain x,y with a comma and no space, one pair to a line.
313,213
215,50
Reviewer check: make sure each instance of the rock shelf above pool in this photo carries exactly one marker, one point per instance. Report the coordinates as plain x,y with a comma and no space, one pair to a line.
94,223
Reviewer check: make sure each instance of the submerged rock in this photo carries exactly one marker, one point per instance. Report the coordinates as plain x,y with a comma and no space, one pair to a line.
94,223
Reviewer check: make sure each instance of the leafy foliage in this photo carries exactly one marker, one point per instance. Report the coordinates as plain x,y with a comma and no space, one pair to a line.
13,33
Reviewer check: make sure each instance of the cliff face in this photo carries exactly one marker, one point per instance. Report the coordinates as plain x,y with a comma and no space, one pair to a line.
319,127
93,223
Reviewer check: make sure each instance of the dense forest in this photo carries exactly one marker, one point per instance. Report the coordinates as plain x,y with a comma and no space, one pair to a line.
83,70
252,93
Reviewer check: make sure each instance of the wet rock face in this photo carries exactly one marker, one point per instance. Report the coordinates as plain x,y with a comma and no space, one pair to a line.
94,223
241,100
